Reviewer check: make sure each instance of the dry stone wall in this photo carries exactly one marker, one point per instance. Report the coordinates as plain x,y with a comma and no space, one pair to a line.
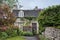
52,33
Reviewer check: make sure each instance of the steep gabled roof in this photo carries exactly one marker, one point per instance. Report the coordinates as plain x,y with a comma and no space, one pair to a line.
31,13
28,13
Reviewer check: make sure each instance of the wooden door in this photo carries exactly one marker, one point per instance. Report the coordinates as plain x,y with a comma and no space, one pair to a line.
34,28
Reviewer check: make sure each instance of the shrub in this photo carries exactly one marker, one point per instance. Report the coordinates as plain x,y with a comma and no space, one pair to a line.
3,35
27,34
58,27
11,32
43,37
20,33
14,33
23,33
41,29
50,17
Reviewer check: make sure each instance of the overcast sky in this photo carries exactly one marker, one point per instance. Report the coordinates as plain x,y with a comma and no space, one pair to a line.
30,4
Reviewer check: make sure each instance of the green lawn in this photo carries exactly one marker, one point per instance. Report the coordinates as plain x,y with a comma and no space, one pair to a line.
16,38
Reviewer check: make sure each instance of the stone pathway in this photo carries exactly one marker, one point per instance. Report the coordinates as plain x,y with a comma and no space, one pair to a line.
30,38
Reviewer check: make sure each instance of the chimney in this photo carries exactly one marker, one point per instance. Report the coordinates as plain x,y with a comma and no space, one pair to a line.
36,8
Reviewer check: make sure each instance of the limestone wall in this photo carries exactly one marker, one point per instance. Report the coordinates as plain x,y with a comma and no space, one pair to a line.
52,33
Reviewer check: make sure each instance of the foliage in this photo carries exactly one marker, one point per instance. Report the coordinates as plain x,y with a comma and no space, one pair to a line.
20,33
10,2
30,18
43,38
7,16
23,33
8,33
34,31
27,33
58,27
50,16
3,35
11,32
1,1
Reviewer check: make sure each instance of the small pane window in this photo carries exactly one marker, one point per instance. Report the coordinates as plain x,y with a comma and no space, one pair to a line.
21,14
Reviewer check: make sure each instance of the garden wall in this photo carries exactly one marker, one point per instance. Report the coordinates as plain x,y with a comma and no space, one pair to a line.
52,33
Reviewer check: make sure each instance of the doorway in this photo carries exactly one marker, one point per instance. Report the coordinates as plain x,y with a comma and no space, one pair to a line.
34,28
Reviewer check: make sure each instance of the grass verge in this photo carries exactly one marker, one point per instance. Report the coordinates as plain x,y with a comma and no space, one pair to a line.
16,38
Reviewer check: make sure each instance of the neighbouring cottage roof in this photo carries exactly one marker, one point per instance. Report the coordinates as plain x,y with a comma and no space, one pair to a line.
31,13
28,13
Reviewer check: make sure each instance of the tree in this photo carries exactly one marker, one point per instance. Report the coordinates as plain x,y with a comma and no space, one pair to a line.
1,1
50,16
9,2
8,18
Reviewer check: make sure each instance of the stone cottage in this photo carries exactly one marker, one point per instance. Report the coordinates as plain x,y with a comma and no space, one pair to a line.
20,14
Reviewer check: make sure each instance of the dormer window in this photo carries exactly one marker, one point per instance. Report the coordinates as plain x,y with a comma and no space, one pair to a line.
21,14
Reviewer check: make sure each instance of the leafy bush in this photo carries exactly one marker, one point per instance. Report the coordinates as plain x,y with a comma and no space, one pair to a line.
42,37
3,35
9,18
58,27
41,29
20,33
14,33
8,33
11,33
27,34
24,33
49,17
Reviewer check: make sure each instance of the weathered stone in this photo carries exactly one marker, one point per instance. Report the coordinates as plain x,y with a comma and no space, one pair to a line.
52,33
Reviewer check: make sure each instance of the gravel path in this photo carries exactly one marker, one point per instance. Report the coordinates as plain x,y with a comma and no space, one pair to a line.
30,38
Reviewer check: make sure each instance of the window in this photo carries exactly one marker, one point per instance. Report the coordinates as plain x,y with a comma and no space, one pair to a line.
21,14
